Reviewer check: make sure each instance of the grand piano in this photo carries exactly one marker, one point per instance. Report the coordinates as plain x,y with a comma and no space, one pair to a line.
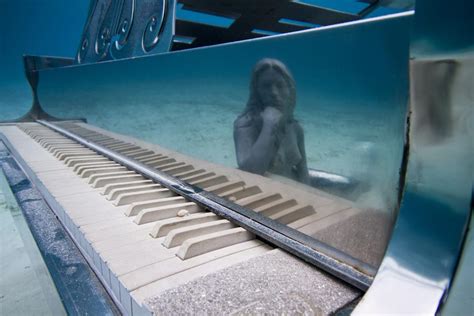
130,148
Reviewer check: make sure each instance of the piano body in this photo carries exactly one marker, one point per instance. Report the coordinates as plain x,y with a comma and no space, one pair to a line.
130,146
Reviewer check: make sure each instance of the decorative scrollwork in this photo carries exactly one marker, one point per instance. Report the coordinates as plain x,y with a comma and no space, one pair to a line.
154,27
126,28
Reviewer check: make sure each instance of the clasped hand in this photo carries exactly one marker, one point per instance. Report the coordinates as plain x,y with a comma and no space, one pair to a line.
272,117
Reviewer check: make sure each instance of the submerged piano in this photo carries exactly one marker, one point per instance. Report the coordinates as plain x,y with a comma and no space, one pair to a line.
149,188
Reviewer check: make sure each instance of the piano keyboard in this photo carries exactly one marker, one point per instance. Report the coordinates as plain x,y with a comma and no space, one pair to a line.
138,235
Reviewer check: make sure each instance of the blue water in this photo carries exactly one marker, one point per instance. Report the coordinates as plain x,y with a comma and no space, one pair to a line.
34,27
54,27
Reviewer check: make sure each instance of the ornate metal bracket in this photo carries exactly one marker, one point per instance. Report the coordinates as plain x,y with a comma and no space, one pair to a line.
126,28
32,65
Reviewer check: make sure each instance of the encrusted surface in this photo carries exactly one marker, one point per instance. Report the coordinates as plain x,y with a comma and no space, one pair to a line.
370,234
77,285
274,283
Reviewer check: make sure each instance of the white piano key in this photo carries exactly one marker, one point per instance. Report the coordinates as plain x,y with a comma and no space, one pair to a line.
136,207
128,198
163,227
106,189
111,179
130,189
80,168
99,171
199,245
164,212
179,235
95,179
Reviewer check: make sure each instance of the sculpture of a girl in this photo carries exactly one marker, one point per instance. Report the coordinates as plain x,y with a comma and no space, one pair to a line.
266,135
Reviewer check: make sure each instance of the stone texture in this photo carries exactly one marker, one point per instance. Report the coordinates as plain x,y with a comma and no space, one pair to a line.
275,283
364,235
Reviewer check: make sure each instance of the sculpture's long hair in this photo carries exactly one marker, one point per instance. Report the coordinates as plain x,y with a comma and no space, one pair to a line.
254,104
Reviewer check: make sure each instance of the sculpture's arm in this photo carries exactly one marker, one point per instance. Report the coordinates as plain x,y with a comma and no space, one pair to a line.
302,167
255,151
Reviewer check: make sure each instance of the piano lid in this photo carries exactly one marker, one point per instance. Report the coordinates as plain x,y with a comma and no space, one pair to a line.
131,28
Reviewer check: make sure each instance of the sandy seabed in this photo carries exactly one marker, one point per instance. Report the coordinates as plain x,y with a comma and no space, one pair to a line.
353,144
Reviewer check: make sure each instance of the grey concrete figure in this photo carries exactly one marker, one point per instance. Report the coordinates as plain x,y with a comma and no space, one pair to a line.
267,137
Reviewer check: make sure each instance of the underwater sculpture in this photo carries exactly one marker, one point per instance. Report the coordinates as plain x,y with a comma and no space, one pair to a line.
267,137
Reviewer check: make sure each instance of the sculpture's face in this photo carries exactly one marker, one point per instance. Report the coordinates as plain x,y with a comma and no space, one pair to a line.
273,90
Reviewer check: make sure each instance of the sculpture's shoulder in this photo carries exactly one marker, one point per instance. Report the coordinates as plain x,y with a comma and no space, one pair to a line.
298,129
